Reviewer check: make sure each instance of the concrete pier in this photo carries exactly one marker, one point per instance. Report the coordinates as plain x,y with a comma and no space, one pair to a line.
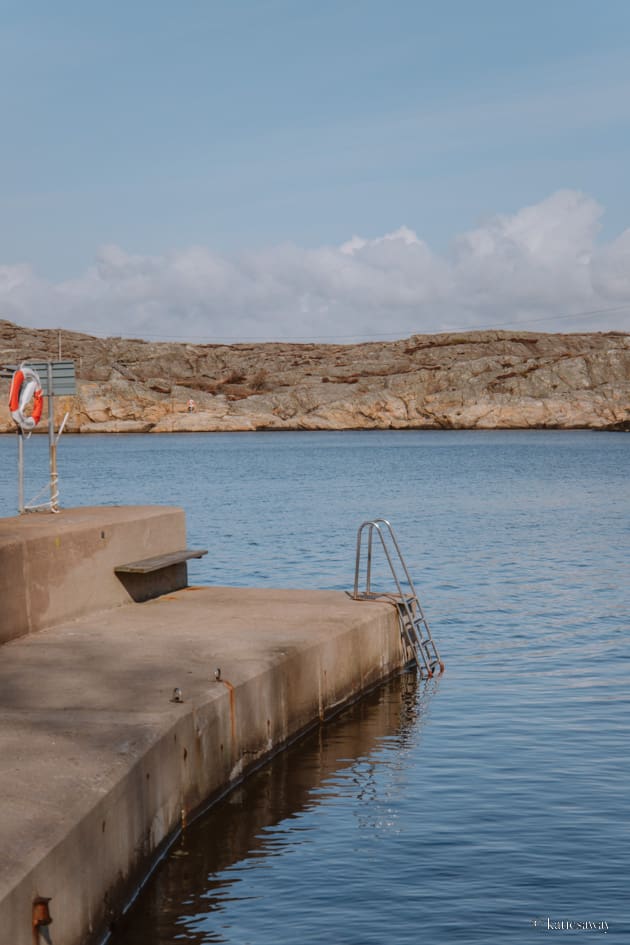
99,769
57,567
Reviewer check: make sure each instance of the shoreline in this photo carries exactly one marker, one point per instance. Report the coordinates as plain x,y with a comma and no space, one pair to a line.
623,427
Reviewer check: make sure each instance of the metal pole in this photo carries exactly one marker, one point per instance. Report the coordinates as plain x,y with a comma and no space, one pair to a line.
54,493
20,437
357,562
368,576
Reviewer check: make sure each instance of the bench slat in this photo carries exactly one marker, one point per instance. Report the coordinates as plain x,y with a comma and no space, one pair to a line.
160,561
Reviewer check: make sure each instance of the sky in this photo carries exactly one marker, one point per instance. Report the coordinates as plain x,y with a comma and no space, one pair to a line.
339,170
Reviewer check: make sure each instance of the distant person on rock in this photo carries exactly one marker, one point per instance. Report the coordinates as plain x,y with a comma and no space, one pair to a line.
192,406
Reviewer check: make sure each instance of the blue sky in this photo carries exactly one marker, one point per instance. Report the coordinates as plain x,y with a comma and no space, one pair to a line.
197,168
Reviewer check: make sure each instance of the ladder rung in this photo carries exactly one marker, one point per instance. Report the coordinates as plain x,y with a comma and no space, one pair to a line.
425,652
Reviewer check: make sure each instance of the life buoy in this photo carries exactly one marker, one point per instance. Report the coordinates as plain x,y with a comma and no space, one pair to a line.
26,386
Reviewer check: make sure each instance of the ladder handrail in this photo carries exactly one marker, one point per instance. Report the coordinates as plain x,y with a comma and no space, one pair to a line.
376,524
410,612
404,598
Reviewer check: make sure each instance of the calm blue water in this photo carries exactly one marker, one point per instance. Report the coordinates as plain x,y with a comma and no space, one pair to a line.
456,810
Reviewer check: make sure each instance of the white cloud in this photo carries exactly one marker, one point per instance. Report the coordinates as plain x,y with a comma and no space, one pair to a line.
535,267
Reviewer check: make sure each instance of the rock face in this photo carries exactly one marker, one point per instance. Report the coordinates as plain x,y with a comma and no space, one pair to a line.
482,380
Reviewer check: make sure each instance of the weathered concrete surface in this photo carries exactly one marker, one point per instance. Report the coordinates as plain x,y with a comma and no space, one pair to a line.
464,380
58,567
98,765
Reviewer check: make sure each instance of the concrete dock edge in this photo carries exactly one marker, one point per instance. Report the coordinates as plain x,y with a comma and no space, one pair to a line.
100,769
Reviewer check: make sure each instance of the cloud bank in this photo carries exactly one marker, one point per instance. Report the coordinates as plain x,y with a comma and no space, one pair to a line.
540,268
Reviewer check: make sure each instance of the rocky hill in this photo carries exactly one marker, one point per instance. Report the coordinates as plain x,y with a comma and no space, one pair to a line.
483,380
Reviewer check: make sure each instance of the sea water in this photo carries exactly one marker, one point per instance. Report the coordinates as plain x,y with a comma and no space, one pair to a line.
489,805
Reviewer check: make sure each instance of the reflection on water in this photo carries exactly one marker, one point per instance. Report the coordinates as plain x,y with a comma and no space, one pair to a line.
274,811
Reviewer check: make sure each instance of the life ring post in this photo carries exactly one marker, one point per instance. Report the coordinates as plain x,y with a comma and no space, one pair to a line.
59,378
20,436
52,442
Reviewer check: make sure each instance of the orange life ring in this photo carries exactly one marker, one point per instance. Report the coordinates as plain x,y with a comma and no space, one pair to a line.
14,393
26,385
38,406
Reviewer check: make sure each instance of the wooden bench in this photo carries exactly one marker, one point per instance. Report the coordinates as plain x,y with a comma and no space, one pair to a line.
147,565
166,573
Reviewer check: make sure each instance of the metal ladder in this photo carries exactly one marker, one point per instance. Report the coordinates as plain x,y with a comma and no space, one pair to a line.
415,631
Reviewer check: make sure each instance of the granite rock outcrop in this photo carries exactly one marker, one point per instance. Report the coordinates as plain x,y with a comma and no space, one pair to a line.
470,380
